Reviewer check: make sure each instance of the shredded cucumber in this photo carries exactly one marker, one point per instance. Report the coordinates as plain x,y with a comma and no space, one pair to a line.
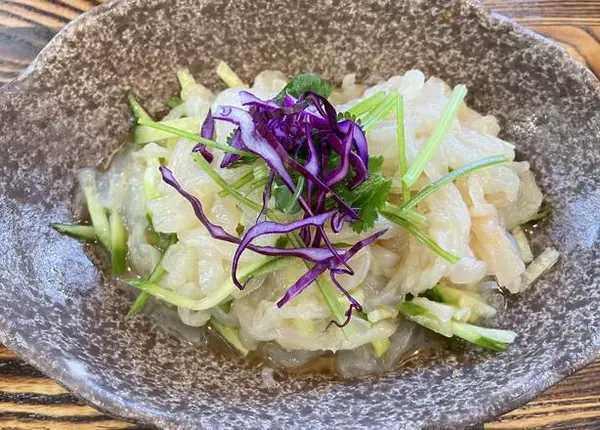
230,334
157,273
118,243
493,339
523,244
422,316
258,268
462,298
489,338
151,179
381,346
97,215
136,108
228,76
382,313
84,232
186,80
538,266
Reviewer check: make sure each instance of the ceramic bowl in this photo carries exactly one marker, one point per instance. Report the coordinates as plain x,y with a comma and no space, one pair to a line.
66,317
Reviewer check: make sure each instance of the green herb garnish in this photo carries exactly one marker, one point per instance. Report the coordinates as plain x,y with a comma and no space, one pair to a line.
369,197
300,84
452,176
287,202
400,137
379,112
422,237
436,137
191,136
367,104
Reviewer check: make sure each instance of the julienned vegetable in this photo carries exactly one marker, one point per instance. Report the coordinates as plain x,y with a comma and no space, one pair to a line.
435,138
229,76
308,188
84,232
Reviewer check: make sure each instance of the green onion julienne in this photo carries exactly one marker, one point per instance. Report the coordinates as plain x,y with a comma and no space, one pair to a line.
295,196
191,136
413,217
422,237
452,176
239,183
402,161
435,138
378,113
367,104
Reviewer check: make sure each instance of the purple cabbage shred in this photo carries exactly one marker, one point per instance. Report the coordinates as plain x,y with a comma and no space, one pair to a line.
207,131
297,137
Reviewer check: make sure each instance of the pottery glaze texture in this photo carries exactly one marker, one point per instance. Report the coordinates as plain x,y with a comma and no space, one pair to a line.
62,314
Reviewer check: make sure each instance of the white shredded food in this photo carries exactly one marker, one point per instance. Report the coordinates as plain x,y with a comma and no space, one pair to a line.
470,218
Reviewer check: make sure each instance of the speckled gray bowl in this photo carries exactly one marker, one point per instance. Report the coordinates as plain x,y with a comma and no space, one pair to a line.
67,111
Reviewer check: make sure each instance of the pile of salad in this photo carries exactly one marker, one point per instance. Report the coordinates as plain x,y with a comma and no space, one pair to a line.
298,220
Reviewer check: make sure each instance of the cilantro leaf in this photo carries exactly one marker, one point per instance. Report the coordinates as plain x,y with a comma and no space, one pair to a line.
348,115
299,84
375,164
368,197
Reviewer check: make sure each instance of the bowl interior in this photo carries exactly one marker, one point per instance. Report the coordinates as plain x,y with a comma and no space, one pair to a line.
66,317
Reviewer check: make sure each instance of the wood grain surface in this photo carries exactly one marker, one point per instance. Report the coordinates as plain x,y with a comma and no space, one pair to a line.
28,400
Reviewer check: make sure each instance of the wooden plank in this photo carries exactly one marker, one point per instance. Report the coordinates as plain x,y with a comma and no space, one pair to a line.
33,16
25,384
42,424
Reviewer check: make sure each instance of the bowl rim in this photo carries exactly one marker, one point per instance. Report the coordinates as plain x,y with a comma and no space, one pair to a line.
119,407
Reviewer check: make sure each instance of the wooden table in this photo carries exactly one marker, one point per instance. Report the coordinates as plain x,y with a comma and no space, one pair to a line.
28,400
